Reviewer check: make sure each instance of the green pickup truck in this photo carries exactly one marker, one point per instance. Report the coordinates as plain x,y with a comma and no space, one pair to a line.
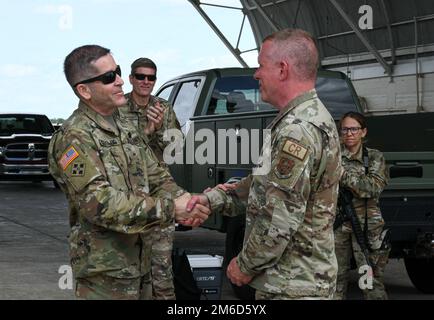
225,99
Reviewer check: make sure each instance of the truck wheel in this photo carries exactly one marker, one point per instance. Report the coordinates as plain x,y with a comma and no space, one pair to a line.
56,185
234,243
421,273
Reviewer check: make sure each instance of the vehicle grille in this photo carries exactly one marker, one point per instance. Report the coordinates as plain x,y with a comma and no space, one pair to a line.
26,151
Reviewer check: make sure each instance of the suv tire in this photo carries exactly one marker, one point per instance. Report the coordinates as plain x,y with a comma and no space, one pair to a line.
421,273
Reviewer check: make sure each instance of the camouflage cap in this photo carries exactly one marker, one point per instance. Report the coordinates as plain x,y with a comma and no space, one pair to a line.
144,63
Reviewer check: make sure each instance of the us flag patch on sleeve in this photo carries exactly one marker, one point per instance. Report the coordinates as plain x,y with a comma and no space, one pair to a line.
68,157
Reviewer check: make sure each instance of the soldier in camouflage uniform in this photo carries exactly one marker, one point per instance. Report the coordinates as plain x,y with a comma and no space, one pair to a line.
143,108
366,189
115,187
288,250
152,116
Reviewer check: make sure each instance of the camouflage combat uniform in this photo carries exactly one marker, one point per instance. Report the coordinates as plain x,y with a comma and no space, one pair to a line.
363,186
161,262
137,115
116,192
289,243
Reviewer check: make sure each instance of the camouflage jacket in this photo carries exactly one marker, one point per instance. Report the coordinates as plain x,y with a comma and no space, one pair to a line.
138,116
116,191
289,240
366,187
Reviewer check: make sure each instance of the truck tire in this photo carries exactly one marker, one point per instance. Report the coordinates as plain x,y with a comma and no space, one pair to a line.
56,185
421,273
234,243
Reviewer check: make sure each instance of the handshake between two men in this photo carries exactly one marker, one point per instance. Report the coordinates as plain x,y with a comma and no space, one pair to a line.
193,211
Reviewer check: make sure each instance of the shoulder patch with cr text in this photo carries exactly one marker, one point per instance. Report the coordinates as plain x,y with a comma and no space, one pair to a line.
294,149
68,157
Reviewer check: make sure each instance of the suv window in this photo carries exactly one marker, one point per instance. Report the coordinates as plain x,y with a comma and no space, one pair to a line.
165,92
335,95
29,124
184,101
241,94
235,95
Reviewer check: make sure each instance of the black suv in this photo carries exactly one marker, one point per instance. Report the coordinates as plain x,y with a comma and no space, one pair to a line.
24,140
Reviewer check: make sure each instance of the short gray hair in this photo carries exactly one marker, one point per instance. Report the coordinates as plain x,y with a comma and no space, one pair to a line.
78,65
300,48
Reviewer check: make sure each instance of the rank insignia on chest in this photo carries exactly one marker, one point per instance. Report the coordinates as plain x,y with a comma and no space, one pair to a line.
285,166
134,140
68,157
78,170
294,149
108,143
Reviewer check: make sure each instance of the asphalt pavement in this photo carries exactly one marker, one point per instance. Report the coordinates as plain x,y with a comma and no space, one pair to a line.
34,247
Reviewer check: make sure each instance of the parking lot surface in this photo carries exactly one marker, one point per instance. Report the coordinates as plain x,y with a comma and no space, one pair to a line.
33,247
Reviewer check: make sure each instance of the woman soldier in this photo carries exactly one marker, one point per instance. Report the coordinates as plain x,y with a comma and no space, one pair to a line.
365,176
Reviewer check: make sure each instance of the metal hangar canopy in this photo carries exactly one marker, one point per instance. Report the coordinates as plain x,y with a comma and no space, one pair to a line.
398,29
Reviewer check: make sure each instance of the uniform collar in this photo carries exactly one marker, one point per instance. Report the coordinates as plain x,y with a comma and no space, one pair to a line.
306,96
134,107
356,156
97,118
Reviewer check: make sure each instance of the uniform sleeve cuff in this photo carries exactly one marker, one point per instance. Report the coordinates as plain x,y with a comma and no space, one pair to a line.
216,199
167,210
243,267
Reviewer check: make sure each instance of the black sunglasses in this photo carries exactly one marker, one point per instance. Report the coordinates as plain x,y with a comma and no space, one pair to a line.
105,78
141,76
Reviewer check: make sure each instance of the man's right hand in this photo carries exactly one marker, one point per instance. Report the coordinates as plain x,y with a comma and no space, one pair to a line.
198,199
195,201
185,212
226,187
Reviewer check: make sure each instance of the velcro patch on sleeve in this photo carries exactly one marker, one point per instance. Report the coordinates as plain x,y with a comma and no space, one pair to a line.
294,149
68,157
285,166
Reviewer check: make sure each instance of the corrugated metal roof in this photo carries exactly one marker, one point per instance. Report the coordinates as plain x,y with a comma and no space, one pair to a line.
394,24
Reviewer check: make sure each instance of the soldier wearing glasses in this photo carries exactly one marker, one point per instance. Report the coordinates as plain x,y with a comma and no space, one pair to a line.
152,116
115,187
365,176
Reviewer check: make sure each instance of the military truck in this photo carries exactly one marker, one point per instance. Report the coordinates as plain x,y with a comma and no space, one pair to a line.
224,99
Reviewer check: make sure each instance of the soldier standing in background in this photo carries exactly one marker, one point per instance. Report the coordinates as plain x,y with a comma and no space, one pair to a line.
288,250
366,179
115,187
152,116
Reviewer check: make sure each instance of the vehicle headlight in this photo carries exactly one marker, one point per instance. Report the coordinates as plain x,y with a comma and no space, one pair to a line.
1,151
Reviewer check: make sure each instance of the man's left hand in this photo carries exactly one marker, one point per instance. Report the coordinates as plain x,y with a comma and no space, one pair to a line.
156,115
235,275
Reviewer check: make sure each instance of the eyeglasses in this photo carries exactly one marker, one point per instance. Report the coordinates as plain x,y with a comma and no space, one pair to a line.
353,130
142,76
105,78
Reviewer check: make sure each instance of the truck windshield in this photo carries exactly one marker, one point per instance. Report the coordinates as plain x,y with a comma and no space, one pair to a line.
24,124
241,94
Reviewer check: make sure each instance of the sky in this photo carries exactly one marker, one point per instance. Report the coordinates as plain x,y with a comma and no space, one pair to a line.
37,35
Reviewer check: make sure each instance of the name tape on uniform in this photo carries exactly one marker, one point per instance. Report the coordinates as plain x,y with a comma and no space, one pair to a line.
295,150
